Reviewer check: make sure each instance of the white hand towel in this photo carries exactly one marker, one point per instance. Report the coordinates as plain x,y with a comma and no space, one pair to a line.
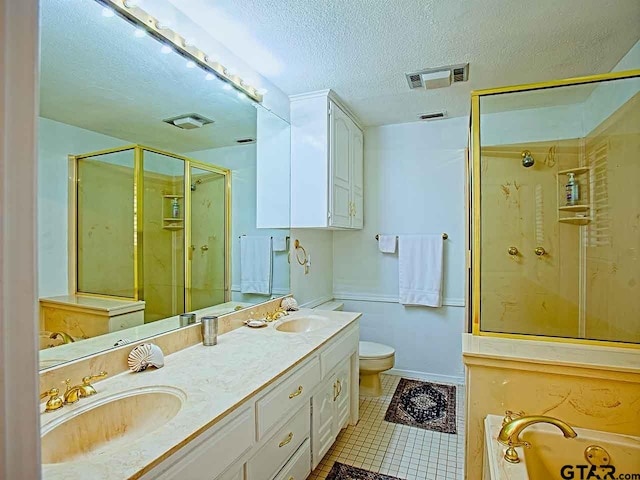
255,265
387,243
279,244
420,265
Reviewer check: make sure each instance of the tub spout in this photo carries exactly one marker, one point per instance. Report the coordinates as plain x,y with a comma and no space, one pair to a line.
510,433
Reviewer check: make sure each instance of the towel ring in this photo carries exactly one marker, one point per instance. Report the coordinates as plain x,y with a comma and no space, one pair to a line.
298,247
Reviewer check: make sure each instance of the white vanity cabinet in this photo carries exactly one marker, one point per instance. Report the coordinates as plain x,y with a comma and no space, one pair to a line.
331,407
327,155
282,432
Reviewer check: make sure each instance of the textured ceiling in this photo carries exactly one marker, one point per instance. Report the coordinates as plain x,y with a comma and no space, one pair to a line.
95,74
363,48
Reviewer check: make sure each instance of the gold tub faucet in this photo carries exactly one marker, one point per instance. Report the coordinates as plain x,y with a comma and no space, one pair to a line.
510,433
66,338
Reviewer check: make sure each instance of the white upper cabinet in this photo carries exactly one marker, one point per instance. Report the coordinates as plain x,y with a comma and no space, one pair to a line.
326,164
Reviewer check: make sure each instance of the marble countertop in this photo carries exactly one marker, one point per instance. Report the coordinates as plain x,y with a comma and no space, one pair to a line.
216,381
559,353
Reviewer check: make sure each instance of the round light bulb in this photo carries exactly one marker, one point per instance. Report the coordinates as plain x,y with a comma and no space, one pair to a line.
140,32
166,49
191,64
209,76
226,86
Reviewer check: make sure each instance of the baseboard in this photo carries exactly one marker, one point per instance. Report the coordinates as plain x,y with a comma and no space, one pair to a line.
428,377
318,301
374,297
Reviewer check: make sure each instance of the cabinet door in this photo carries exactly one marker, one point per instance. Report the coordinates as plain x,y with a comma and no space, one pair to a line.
323,420
340,168
357,177
343,398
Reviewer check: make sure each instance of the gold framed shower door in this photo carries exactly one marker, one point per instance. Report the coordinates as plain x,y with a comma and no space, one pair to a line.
474,253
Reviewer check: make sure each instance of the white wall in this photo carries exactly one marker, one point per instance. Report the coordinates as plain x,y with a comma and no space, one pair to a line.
241,160
55,142
315,287
414,183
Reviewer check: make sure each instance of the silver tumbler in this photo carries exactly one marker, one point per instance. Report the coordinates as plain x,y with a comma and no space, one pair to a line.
209,330
187,319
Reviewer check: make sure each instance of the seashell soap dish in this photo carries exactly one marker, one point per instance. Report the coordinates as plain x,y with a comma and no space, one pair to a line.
145,355
256,323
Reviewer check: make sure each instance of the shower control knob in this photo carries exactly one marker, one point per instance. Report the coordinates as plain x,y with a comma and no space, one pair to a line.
540,251
512,251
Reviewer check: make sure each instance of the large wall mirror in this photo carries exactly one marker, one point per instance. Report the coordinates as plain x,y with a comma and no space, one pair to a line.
161,189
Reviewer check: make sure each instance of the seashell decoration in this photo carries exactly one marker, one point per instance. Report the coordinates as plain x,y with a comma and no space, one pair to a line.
145,355
290,304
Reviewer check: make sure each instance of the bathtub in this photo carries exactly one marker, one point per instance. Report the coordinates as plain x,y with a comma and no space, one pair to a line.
552,456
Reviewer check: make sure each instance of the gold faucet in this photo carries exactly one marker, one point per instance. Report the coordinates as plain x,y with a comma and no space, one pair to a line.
75,393
277,313
54,402
510,433
66,338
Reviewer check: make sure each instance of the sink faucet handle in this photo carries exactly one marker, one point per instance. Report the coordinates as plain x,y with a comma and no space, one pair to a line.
88,389
510,415
54,402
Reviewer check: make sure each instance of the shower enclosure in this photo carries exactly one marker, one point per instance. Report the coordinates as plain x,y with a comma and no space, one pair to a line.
150,225
555,210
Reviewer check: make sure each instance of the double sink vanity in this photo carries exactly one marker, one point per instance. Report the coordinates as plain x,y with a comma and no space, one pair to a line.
239,410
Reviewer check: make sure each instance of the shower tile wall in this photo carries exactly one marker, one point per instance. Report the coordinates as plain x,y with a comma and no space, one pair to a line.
526,293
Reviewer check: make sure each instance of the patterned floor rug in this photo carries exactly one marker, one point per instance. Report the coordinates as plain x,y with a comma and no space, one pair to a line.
340,471
431,406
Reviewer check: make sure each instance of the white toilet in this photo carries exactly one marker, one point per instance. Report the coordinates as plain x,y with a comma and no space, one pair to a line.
375,358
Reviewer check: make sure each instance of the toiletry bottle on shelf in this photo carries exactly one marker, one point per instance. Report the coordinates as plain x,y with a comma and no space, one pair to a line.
571,190
175,208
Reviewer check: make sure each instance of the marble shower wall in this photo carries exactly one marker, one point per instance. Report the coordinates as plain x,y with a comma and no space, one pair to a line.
613,250
526,293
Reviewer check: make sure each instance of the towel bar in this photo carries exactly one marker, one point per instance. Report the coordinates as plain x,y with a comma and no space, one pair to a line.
444,236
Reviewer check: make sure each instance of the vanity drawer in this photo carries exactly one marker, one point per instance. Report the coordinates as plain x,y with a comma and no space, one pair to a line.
211,455
287,397
338,351
299,467
281,446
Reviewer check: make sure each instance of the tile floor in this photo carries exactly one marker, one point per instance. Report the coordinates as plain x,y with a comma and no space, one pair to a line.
398,450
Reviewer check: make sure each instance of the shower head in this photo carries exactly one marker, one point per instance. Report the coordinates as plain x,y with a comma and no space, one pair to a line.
527,159
195,184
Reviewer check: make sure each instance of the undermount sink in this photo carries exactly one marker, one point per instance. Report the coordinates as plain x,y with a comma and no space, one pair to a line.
109,423
308,323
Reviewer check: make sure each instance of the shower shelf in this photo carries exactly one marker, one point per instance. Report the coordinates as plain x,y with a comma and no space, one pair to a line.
574,208
575,220
173,227
173,219
576,170
173,196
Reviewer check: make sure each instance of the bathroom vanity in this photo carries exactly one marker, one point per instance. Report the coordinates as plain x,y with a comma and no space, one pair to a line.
263,404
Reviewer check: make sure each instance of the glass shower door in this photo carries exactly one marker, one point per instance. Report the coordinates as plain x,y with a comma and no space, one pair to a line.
164,224
207,259
105,224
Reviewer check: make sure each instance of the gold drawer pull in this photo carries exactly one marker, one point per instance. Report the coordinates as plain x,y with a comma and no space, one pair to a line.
296,393
288,439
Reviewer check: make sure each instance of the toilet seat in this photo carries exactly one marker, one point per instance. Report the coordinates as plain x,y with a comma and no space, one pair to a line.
372,351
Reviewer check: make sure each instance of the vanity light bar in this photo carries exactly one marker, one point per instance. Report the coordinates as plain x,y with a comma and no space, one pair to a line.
134,14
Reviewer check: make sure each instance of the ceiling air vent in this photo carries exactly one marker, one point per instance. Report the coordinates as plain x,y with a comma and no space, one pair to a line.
188,121
246,140
439,77
432,116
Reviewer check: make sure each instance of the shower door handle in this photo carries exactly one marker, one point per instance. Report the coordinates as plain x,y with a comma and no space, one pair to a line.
191,249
